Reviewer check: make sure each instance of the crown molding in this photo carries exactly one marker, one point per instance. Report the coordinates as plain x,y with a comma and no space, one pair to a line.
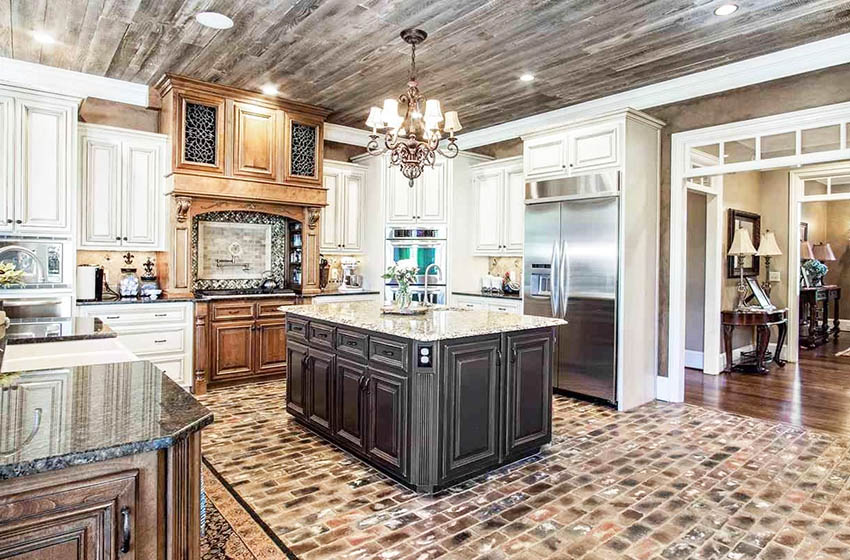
69,82
346,134
780,64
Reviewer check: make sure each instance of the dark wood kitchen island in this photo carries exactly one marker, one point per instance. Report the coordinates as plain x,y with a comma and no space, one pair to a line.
430,400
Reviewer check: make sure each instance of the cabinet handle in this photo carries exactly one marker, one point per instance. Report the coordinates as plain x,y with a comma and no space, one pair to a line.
350,343
498,357
388,353
160,314
362,382
125,239
160,341
18,222
117,238
113,316
513,355
125,530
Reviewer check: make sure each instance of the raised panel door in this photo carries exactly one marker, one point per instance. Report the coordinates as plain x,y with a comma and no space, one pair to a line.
320,388
349,399
330,236
255,141
296,379
470,423
545,156
432,204
101,192
513,225
143,197
593,148
232,350
43,189
271,346
387,419
529,391
400,198
7,164
81,520
350,219
488,219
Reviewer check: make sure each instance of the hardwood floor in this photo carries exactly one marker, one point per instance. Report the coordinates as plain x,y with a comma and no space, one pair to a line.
815,392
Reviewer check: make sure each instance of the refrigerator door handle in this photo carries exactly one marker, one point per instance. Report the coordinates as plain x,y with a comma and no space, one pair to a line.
564,279
554,280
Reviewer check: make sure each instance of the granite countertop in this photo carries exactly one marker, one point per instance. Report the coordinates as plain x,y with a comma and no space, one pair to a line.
56,329
339,293
439,324
199,296
124,301
78,422
495,295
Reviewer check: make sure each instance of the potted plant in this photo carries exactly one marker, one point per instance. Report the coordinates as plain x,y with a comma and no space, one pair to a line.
9,275
402,273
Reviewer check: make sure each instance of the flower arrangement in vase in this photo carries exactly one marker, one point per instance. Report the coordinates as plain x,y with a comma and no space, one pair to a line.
9,275
402,273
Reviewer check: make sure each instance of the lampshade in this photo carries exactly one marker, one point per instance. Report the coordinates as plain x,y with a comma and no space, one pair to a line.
452,122
768,246
806,251
390,113
375,119
742,245
823,252
432,111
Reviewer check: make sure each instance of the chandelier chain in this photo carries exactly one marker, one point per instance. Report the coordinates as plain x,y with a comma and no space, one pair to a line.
413,63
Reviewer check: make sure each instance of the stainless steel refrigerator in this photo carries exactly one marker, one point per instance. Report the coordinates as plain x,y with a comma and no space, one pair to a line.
571,272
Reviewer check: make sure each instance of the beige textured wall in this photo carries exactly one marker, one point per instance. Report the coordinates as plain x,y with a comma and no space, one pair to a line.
499,150
774,217
695,288
813,89
837,233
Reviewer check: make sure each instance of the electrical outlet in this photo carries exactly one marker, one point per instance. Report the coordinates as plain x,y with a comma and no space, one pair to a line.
775,276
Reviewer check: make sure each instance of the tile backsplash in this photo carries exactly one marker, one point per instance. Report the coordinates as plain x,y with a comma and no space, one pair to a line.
498,266
113,261
228,250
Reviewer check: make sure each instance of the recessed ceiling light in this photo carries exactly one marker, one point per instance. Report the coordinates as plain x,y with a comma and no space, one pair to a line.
527,78
43,37
726,9
214,20
269,89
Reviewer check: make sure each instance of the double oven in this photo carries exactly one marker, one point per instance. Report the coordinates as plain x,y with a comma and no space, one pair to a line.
425,246
44,289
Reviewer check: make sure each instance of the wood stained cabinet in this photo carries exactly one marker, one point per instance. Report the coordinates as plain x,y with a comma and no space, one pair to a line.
296,379
256,141
247,340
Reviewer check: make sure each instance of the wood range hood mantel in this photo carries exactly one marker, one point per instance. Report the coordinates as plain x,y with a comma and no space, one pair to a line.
239,150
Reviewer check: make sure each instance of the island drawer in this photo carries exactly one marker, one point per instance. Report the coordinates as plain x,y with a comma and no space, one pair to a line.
226,311
296,328
352,344
389,352
321,335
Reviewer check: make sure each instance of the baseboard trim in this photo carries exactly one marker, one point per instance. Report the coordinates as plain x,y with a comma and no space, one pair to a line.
694,359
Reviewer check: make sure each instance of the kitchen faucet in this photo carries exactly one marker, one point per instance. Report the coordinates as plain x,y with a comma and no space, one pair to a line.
440,270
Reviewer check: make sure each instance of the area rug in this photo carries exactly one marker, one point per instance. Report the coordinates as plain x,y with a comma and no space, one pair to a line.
230,532
665,481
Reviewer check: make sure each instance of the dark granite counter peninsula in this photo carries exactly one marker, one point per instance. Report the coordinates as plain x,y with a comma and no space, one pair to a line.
112,450
56,329
429,399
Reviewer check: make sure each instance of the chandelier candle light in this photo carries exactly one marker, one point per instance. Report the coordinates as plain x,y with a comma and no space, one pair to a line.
414,139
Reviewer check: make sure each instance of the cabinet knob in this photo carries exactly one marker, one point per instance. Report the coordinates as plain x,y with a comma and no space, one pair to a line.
125,239
10,221
19,221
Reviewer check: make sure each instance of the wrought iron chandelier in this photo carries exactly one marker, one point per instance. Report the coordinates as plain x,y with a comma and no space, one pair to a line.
414,139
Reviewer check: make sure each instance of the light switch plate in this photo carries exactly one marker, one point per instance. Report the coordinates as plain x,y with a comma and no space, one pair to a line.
775,276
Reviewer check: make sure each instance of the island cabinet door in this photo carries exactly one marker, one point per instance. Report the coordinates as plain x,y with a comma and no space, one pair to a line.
320,388
470,408
296,379
349,401
387,419
528,391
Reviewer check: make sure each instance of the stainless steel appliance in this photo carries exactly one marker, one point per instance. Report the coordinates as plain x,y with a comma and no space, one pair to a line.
424,246
572,272
89,282
436,294
41,261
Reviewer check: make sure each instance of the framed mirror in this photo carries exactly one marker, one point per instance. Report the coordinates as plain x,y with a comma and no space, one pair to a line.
752,223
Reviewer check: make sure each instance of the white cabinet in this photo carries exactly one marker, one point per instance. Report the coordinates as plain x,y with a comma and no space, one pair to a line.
160,332
342,218
485,303
572,150
122,204
37,162
499,206
426,202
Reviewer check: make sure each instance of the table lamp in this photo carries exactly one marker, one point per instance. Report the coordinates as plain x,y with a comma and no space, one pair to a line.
742,246
768,248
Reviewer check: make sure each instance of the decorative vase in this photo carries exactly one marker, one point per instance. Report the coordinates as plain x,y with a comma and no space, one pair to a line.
403,298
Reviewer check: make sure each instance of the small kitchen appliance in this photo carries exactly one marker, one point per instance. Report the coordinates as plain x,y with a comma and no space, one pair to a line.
89,282
351,281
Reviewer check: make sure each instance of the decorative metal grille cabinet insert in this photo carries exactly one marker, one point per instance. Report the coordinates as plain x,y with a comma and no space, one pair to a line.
200,134
303,150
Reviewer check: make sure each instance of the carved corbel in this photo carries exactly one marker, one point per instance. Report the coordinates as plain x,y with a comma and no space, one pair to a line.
313,215
183,205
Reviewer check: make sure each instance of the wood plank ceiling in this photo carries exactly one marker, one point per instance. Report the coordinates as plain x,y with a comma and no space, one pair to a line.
346,54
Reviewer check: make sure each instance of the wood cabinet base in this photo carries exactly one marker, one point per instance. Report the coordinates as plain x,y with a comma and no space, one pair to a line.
137,507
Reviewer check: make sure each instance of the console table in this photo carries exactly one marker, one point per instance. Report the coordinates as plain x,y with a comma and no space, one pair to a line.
761,320
815,331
